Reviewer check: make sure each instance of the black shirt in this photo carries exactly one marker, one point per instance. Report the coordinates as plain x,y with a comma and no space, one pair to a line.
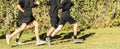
54,4
66,5
26,4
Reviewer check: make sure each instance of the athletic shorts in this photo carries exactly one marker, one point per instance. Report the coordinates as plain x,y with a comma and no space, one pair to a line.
54,19
66,17
25,17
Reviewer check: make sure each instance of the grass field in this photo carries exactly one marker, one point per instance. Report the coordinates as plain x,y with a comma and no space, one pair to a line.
102,38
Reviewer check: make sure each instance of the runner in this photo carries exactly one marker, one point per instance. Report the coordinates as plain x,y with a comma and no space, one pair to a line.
26,20
54,19
66,17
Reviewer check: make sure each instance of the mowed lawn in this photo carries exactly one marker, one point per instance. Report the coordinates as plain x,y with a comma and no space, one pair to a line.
102,38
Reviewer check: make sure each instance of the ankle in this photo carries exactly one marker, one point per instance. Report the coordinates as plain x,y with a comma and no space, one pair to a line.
75,37
17,40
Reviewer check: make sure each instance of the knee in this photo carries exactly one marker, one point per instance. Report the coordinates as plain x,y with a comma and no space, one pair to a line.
35,23
75,24
23,26
60,27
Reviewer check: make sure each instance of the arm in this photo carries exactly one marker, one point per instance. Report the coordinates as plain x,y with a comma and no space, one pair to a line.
20,8
37,3
33,4
20,5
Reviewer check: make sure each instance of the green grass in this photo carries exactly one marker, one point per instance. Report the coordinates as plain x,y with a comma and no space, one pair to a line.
102,38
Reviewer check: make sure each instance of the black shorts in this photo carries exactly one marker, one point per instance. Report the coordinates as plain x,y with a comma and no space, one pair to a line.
26,17
66,17
54,19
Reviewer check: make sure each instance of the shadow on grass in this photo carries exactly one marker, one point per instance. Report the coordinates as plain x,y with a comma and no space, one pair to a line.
2,36
70,34
86,36
64,37
42,37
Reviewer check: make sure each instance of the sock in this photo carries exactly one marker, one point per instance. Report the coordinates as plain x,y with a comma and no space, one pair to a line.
17,40
75,37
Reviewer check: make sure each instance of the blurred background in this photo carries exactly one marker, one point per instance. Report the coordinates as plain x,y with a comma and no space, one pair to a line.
88,14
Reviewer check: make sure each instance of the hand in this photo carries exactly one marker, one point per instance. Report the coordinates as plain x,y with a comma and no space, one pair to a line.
37,2
20,8
23,11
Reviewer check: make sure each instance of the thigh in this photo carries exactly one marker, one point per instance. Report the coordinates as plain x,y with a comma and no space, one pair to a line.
35,23
23,26
29,26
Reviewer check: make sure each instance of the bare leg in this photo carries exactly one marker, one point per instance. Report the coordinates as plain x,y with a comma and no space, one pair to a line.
8,37
19,34
38,42
19,30
50,31
18,37
76,40
75,29
29,26
35,23
57,30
